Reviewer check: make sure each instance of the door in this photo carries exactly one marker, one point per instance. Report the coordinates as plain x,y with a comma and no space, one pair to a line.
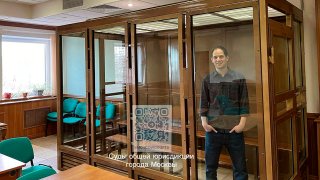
158,126
72,98
283,99
109,122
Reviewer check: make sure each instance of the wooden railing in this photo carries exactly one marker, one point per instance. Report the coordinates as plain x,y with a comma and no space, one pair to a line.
318,142
313,149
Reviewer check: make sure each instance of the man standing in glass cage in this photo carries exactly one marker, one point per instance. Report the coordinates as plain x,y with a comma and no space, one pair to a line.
223,109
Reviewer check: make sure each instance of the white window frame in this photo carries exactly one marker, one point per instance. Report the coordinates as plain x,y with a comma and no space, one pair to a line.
25,39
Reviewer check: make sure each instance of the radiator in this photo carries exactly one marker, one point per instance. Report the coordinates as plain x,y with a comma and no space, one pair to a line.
35,117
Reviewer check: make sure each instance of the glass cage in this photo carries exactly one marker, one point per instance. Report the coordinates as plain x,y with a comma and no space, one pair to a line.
141,82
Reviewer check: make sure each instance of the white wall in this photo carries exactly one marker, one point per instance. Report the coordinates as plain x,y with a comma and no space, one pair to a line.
310,46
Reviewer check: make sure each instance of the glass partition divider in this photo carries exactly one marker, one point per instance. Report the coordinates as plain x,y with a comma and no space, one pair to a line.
156,124
109,127
73,100
224,41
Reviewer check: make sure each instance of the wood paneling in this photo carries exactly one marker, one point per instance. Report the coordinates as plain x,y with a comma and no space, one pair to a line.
202,59
317,8
35,117
318,143
312,145
1,116
13,114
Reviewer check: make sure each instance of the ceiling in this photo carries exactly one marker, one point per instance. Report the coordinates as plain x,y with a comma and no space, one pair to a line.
51,12
234,15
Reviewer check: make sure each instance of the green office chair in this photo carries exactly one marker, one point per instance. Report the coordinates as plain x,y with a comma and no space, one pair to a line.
69,105
80,115
42,173
110,113
21,149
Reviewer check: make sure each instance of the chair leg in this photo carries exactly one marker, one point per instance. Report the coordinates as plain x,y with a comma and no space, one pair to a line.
119,147
73,131
84,146
79,129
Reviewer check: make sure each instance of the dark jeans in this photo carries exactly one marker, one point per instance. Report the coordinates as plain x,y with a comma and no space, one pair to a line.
234,142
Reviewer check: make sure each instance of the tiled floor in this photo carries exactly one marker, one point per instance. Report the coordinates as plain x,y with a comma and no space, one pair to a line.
45,150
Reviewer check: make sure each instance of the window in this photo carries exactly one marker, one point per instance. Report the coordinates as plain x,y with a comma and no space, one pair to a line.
120,62
115,67
25,65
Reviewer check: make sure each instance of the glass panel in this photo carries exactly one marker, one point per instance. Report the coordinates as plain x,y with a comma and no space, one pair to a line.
301,98
301,119
74,90
110,84
281,66
297,54
225,103
284,106
284,149
158,89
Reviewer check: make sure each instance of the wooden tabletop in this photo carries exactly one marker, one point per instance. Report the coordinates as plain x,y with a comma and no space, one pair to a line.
87,172
8,164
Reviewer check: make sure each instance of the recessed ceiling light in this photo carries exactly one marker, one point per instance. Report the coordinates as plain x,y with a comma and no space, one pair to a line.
130,4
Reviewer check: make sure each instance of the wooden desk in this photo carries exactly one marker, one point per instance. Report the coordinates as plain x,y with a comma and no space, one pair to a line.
3,131
9,168
85,171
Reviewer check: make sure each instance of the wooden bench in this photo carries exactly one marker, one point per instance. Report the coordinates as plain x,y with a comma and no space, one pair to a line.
247,140
122,122
177,130
174,129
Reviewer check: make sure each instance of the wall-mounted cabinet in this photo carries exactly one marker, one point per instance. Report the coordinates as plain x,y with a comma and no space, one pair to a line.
150,62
